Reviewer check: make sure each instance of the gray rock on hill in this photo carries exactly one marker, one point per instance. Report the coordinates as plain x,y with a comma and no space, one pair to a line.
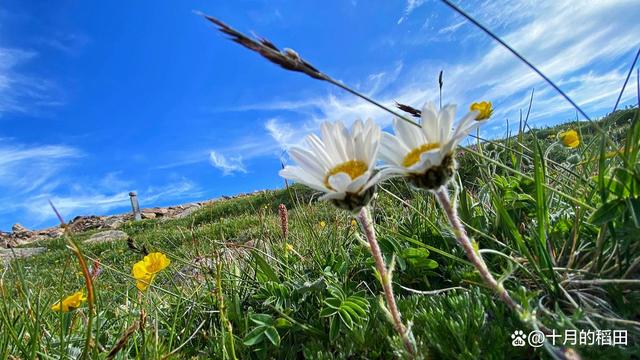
7,255
107,236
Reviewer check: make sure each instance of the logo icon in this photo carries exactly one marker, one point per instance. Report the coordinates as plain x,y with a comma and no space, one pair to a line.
518,338
536,338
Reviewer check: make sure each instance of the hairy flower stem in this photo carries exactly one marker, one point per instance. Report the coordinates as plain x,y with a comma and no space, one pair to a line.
472,255
385,279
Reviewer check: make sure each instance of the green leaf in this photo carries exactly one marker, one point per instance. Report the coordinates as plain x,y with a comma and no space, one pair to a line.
346,318
607,212
327,311
634,208
262,319
430,264
272,335
352,312
364,303
282,323
255,336
333,303
334,328
356,308
265,267
419,258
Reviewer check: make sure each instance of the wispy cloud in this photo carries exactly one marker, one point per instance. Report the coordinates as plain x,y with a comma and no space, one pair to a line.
20,92
96,201
31,175
451,28
228,165
584,49
282,132
24,169
411,5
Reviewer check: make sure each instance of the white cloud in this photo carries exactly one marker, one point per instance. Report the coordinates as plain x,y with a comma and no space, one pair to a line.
451,28
585,49
31,175
581,49
24,169
411,5
281,132
20,92
228,166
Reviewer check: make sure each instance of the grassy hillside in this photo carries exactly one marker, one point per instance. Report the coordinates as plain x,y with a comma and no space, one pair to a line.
560,228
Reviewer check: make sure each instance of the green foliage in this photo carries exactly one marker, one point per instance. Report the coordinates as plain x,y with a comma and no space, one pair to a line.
557,233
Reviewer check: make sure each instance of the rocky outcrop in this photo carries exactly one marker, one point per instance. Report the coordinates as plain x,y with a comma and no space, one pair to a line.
107,236
187,211
20,235
8,254
5,239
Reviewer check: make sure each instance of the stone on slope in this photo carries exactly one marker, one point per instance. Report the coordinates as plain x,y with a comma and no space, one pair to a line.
18,229
187,211
107,236
8,254
148,215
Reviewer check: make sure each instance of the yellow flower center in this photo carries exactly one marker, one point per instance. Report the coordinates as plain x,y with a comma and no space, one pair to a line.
353,168
414,155
484,109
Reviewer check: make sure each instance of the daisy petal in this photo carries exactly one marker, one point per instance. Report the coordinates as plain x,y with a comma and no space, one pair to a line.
340,182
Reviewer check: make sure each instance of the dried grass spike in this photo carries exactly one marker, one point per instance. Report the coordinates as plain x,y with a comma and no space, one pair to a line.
287,58
408,109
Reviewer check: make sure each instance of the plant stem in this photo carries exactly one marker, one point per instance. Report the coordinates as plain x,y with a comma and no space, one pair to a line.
385,279
472,255
75,249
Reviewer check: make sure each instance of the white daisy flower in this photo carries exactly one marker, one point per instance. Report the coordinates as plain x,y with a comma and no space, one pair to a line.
341,164
424,153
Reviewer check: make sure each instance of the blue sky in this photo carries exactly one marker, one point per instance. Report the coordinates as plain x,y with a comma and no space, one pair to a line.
101,98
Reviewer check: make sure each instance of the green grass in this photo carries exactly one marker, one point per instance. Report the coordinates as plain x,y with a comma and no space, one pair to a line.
548,223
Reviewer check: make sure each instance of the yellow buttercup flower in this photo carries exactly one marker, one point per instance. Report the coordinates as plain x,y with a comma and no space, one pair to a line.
483,108
569,138
323,224
71,302
145,270
353,222
289,247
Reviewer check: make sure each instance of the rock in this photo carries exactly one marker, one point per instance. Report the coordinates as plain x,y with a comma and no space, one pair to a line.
8,254
148,215
194,271
51,233
187,212
6,240
19,229
161,211
115,221
83,223
107,236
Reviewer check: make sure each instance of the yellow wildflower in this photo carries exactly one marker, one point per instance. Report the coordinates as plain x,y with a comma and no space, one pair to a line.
289,247
146,269
323,224
569,138
483,108
353,222
71,302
